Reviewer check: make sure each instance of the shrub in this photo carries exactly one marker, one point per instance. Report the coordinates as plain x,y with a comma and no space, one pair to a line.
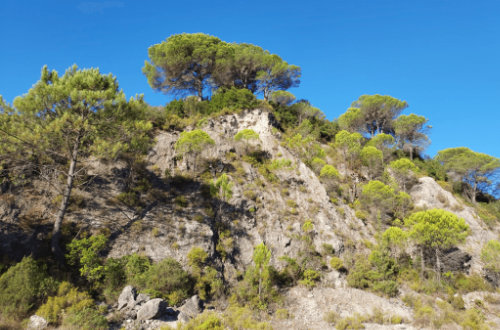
378,273
68,299
474,319
243,318
278,164
166,279
336,263
84,253
329,172
490,255
234,99
86,317
22,287
246,135
205,321
310,277
208,283
351,322
331,317
181,201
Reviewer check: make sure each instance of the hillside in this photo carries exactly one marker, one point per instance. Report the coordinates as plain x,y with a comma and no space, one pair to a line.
270,205
220,210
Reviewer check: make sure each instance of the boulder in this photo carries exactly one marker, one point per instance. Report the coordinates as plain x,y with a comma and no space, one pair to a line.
152,309
127,297
192,307
142,298
37,322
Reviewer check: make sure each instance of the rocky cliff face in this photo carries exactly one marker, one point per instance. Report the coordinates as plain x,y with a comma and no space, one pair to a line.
177,215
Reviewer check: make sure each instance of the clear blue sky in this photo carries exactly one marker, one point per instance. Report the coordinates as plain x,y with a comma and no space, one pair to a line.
442,57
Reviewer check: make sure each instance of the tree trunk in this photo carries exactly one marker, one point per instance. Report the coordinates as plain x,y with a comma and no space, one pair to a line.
474,191
422,262
411,153
260,284
266,94
200,93
56,233
438,267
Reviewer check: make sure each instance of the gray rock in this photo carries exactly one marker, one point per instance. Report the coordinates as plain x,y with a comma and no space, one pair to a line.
152,309
127,297
192,307
183,318
37,322
142,298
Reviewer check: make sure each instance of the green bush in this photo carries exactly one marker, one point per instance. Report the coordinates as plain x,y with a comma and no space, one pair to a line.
22,287
474,320
234,99
336,263
166,279
378,273
85,254
208,283
310,278
352,322
205,321
68,300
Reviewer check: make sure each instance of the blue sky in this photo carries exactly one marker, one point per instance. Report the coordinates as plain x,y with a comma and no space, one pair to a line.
442,57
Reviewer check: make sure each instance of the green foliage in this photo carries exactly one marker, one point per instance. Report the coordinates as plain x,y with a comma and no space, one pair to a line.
282,97
135,266
279,164
432,168
233,318
208,284
437,228
337,263
350,322
350,146
246,134
257,289
475,169
317,164
205,321
222,188
382,141
409,130
305,147
351,120
166,279
68,299
377,273
194,141
22,287
190,63
404,171
372,158
86,318
307,227
377,113
395,239
120,271
474,320
84,253
329,172
63,119
232,99
182,64
310,278
490,255
382,201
